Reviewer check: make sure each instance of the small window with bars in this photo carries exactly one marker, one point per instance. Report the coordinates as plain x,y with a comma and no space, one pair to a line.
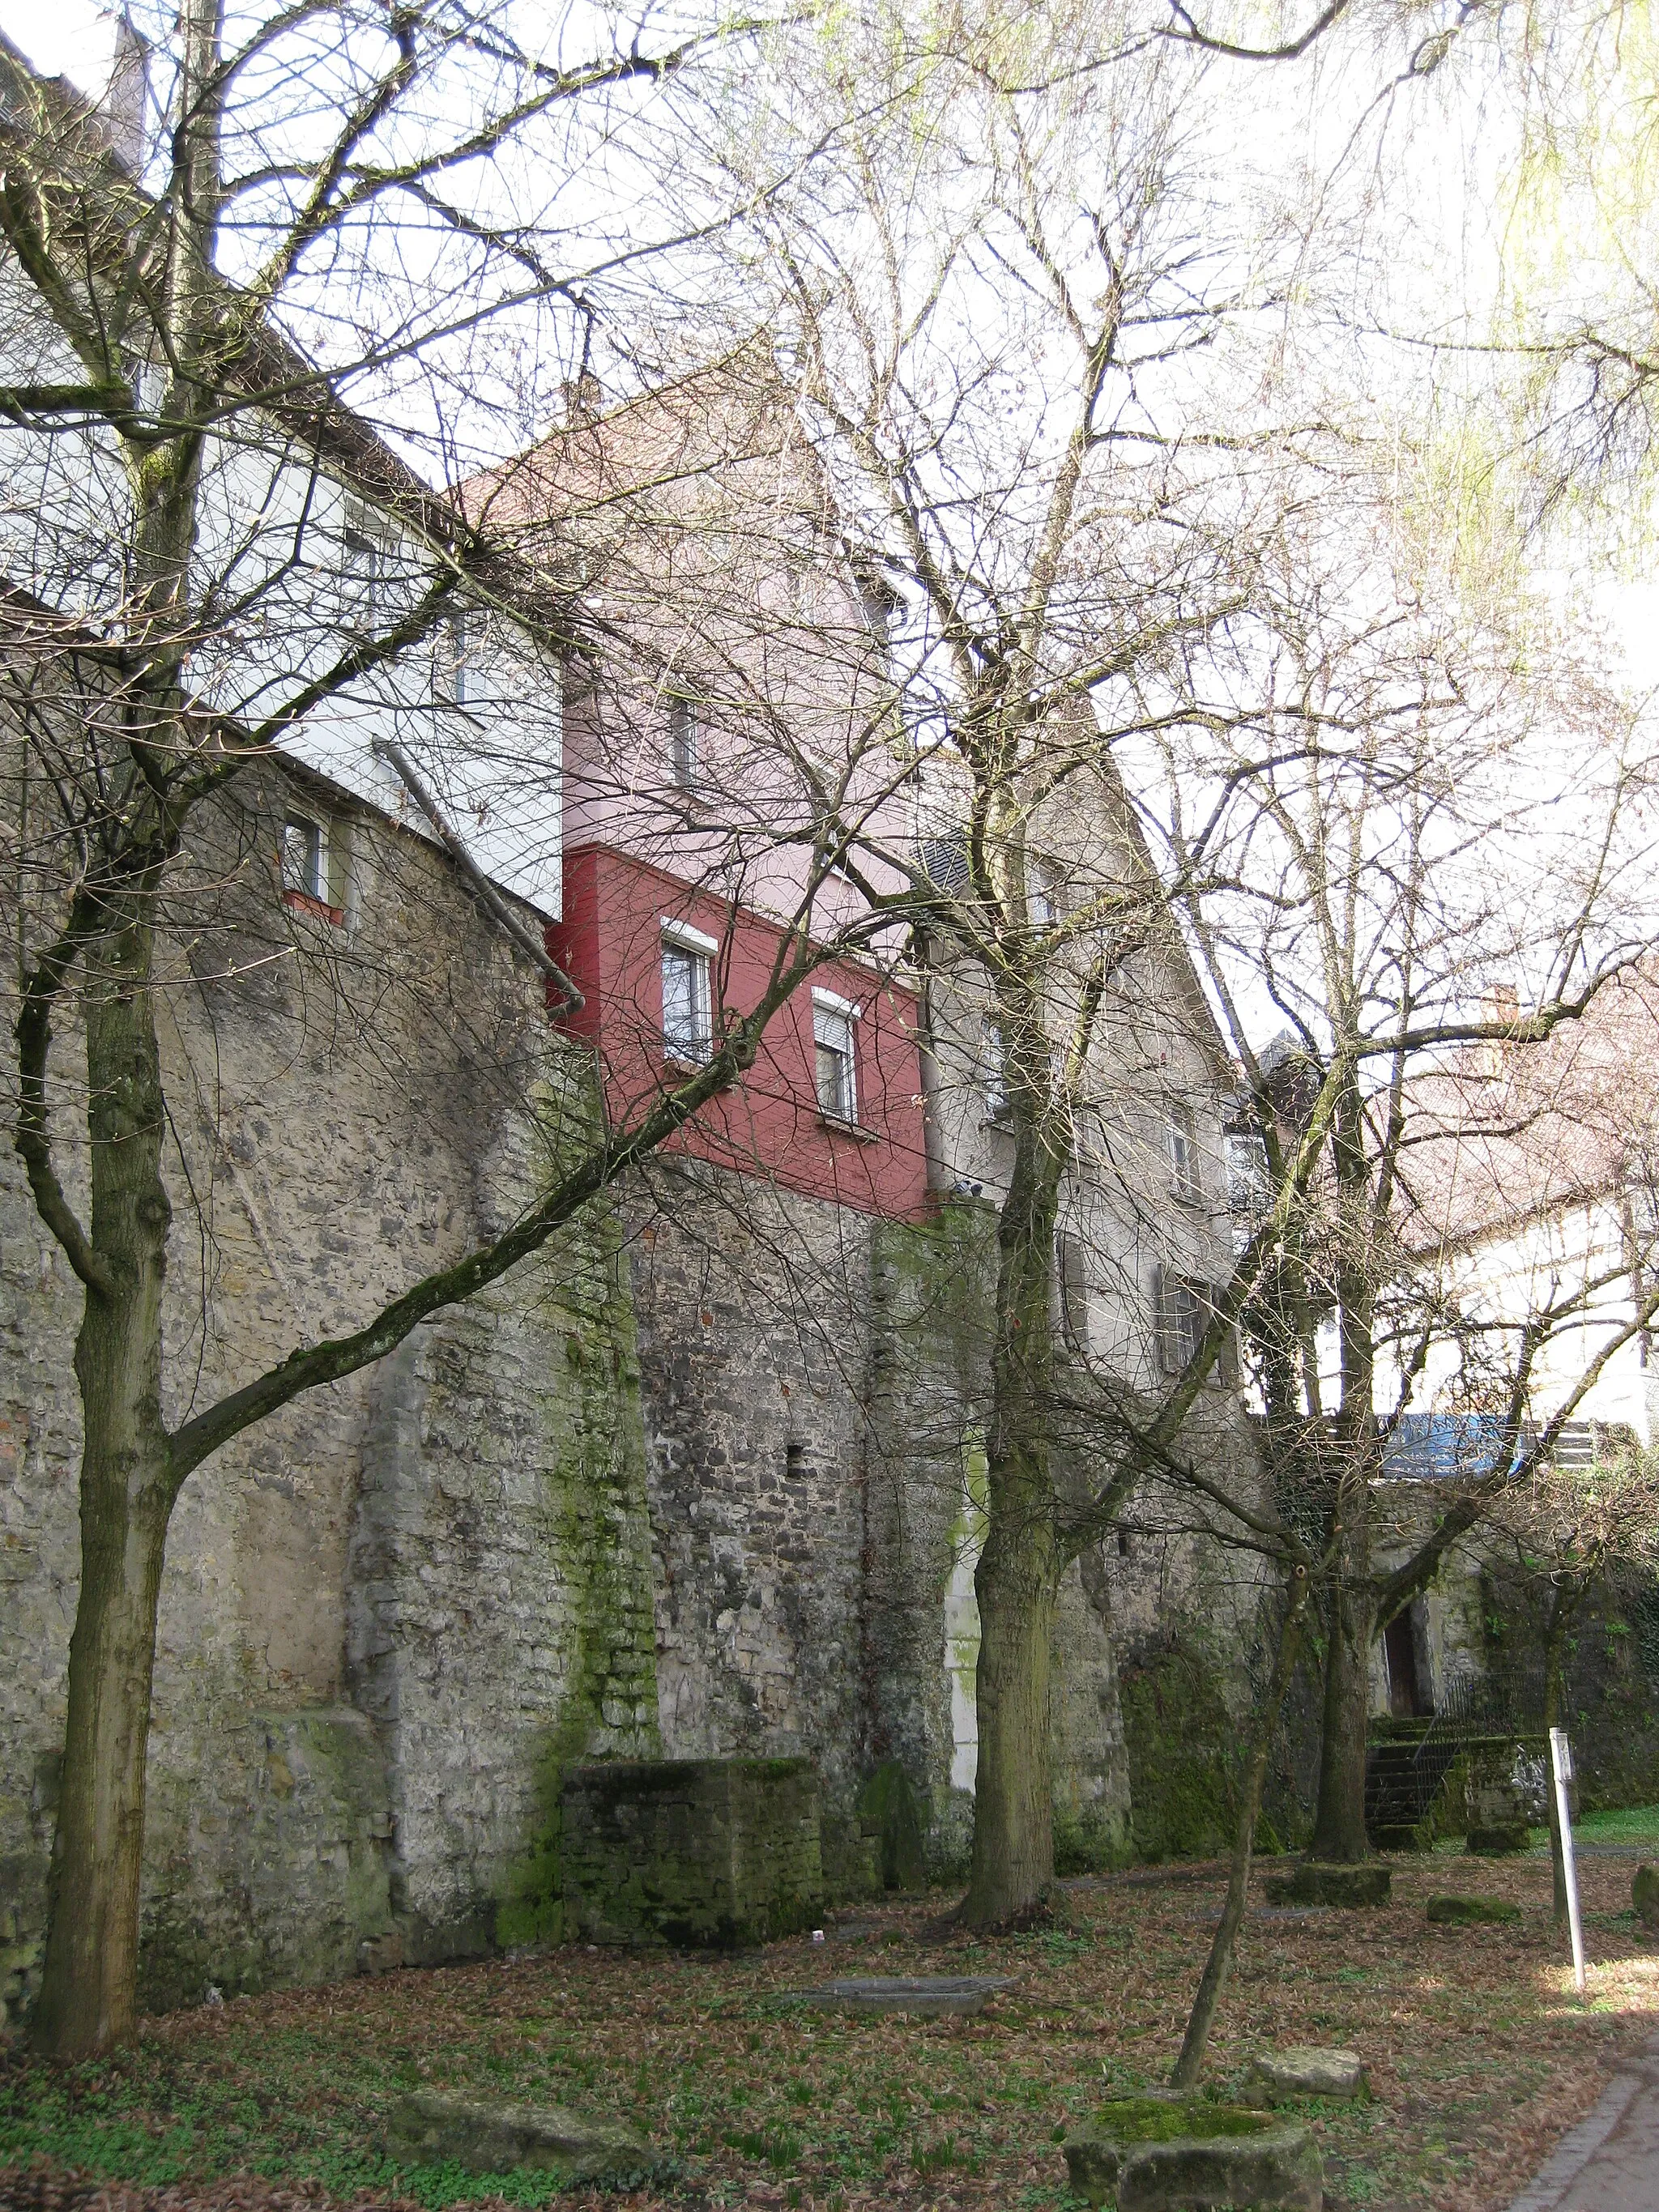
834,1057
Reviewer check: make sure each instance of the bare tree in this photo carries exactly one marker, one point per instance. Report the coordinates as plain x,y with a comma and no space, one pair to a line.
213,558
1392,867
991,319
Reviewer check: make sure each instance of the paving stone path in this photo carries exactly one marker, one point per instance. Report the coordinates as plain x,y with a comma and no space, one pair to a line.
1610,2161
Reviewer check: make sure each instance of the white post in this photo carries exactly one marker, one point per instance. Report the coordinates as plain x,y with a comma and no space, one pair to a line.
1561,1761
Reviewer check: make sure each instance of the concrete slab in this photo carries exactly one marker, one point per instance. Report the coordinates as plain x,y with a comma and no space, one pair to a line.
928,1997
1610,2161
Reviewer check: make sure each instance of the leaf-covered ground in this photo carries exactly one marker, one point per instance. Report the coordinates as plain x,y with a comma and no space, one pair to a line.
1480,2056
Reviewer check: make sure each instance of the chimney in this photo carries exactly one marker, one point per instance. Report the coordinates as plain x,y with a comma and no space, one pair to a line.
583,399
123,111
1502,1003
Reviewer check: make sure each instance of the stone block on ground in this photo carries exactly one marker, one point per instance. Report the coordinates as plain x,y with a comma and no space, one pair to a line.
1403,1836
1645,1894
1311,2070
485,2137
1472,1911
1316,1881
1498,1795
1166,2154
691,1851
928,1996
1499,1839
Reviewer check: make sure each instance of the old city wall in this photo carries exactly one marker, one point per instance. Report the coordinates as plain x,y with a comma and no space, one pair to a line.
390,1610
814,1383
701,1480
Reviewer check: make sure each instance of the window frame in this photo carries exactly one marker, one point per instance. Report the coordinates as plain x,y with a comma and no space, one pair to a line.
1071,1283
365,561
463,686
313,896
830,1007
994,1070
1181,1300
1045,900
1180,1150
698,949
685,726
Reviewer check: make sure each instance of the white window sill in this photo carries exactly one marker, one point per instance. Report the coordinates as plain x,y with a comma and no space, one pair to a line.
838,1128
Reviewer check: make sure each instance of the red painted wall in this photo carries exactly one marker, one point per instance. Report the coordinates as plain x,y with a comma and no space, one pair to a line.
610,941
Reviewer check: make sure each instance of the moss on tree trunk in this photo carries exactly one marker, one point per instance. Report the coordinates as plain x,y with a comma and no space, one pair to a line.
88,1998
1017,1577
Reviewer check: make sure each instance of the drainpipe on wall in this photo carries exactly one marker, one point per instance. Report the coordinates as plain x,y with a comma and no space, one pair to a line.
932,1143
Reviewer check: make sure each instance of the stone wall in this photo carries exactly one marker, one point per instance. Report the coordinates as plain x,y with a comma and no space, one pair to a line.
702,1479
390,1609
716,1852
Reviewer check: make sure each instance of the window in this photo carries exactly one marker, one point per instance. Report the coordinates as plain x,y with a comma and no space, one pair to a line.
460,681
1185,1307
1073,1290
305,857
365,562
1183,1151
834,1066
1249,1182
1044,899
688,1020
682,744
993,1064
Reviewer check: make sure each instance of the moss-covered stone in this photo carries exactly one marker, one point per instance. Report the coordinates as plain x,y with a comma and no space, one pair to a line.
485,2137
1167,2119
1316,1881
893,1814
1645,1894
598,1464
1472,1911
691,1851
1157,2154
1179,1736
1501,1840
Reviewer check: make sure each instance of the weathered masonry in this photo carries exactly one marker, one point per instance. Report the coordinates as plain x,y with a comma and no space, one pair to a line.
697,1482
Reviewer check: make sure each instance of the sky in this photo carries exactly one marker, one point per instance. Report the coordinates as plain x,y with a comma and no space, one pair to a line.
64,38
75,38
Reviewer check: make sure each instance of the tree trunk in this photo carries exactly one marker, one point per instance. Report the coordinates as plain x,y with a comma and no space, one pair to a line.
1339,1831
88,1995
1013,1865
1555,1639
1214,1977
1340,1821
1019,1571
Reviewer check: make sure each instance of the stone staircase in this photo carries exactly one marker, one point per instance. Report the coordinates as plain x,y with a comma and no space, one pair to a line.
1403,1776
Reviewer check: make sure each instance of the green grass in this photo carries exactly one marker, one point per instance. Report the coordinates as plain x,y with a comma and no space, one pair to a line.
1633,1824
1634,1827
